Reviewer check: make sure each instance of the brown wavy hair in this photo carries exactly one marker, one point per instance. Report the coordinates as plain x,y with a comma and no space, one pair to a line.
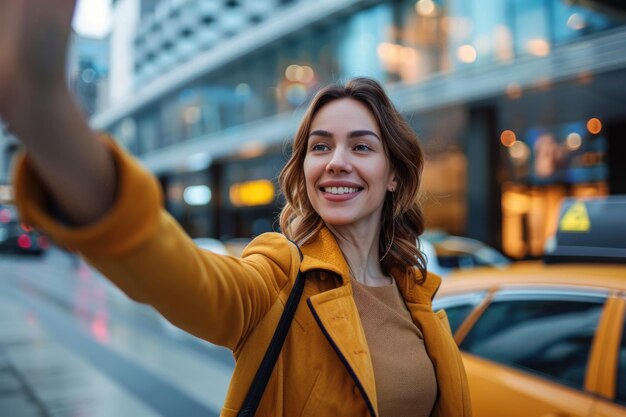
402,218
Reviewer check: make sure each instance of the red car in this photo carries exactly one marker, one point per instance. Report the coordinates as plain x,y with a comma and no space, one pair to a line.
16,237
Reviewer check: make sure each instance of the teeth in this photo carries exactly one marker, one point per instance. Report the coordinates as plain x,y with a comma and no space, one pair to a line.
340,190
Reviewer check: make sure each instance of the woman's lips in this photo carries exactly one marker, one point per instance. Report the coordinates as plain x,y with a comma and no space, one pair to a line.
339,197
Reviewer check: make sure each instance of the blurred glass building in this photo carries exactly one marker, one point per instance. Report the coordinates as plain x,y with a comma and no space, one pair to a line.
87,72
87,78
518,102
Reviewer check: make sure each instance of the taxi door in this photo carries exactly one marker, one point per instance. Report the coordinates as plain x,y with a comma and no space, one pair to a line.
501,391
605,408
528,352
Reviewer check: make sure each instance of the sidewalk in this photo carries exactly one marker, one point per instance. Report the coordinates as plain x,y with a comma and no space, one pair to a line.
16,398
71,345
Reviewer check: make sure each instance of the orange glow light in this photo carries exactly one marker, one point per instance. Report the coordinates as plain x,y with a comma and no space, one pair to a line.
466,53
594,126
252,193
538,47
508,138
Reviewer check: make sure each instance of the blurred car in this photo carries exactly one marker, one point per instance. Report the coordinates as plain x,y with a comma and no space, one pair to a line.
448,253
16,237
210,244
548,338
464,253
432,260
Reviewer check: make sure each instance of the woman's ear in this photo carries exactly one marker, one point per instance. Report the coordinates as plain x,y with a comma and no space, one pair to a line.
393,183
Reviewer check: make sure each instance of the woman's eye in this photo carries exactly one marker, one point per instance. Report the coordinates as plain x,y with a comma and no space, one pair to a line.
319,147
362,148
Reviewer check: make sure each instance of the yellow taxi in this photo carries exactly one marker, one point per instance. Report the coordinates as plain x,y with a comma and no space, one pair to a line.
547,338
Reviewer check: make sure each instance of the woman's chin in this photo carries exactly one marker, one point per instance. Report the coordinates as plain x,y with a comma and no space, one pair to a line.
338,221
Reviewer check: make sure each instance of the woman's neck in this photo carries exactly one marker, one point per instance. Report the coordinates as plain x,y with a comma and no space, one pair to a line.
360,249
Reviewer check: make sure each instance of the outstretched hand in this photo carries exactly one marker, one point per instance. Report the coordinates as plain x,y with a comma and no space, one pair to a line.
35,103
33,45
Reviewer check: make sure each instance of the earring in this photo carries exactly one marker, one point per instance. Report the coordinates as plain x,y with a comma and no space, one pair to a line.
393,226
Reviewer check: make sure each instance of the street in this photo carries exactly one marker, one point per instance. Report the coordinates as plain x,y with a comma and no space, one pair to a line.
73,345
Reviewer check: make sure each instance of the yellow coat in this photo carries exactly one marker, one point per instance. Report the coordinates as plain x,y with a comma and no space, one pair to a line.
325,368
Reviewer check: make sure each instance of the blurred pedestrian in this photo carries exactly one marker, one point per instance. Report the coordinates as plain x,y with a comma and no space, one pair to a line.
364,340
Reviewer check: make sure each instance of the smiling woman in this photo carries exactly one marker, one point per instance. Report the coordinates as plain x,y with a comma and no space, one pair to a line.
366,343
347,171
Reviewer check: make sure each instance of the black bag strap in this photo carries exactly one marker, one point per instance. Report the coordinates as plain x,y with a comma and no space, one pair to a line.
253,398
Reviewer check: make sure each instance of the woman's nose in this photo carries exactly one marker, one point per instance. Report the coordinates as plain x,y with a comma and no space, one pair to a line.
338,163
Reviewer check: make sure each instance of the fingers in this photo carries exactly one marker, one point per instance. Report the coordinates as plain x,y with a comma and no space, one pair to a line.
11,12
33,43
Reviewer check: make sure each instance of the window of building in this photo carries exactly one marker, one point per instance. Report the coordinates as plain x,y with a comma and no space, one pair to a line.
147,7
570,22
148,131
369,31
545,334
531,30
544,165
418,42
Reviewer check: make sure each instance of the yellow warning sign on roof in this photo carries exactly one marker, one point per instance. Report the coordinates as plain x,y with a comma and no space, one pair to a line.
575,219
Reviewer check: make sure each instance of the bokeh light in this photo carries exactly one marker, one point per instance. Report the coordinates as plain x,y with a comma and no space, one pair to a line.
538,47
594,125
573,141
508,138
425,7
466,53
514,91
519,151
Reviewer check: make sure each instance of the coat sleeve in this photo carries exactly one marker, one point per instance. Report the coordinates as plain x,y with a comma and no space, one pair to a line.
145,252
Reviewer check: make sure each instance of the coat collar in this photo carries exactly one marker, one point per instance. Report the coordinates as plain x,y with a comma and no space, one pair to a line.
323,253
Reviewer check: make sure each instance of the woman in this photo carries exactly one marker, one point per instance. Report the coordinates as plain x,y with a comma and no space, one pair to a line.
364,340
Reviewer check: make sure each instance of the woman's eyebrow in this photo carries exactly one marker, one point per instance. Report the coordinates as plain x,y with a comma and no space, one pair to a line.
353,134
359,133
323,133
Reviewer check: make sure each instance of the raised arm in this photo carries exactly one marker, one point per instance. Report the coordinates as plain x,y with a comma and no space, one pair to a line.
116,205
35,103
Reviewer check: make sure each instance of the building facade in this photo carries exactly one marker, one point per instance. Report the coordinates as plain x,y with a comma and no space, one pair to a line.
517,102
88,72
87,78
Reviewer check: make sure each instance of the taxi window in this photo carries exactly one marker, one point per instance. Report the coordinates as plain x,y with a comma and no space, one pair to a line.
458,307
544,335
457,314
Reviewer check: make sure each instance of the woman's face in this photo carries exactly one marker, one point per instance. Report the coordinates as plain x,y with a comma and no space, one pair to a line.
346,170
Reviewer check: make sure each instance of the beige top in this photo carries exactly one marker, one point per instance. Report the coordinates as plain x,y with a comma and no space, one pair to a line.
406,385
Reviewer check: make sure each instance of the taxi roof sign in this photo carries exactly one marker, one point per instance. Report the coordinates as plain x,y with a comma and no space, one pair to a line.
575,218
590,230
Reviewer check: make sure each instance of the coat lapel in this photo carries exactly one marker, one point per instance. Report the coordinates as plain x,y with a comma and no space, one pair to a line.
452,398
337,316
